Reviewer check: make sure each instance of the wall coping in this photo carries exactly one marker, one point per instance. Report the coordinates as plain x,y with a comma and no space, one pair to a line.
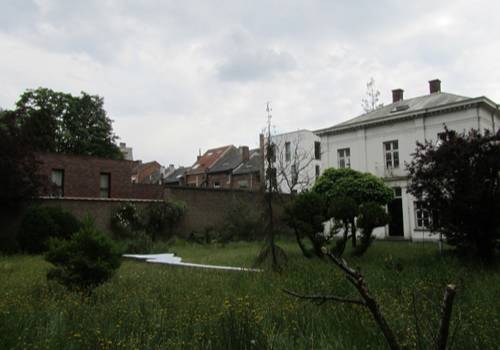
92,199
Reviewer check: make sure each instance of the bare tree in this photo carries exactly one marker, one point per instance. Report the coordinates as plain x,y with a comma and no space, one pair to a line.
293,159
367,300
371,101
270,249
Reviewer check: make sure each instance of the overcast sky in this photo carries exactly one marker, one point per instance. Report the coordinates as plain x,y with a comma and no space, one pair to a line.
178,76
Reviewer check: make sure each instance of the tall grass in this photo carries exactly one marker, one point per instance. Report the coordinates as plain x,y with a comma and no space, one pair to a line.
150,306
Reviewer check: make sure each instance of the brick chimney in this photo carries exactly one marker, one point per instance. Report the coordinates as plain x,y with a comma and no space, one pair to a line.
245,153
434,86
397,95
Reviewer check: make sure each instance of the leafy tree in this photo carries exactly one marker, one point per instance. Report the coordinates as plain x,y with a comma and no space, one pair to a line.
371,215
59,122
347,190
371,101
459,180
19,181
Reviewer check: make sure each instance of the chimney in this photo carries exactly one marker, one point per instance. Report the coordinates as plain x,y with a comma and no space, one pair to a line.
434,86
397,95
245,153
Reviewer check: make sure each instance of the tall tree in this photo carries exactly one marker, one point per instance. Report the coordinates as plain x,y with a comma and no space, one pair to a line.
458,180
60,122
371,101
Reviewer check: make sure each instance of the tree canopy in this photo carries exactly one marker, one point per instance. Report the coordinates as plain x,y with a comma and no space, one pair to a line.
458,180
348,183
59,122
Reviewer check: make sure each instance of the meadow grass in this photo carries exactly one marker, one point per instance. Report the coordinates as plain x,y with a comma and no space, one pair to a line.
151,306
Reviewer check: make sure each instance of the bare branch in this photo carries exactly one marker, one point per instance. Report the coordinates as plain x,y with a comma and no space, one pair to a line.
320,299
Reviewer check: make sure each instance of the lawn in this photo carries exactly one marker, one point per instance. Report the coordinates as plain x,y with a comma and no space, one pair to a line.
149,306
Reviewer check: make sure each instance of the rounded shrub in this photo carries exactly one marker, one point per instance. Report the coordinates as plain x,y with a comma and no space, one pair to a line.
85,261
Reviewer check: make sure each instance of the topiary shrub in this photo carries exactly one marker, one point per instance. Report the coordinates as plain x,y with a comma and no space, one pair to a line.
41,223
85,261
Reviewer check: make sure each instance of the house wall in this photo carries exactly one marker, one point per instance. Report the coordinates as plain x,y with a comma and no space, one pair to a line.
224,180
82,174
305,140
367,152
252,180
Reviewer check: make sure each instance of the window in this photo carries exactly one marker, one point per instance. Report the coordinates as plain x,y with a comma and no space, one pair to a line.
423,218
295,175
216,184
344,157
317,150
391,154
58,182
287,151
105,185
273,152
243,184
317,171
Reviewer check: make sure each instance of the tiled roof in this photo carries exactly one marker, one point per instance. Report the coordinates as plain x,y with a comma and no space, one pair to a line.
252,165
230,160
403,107
176,175
208,159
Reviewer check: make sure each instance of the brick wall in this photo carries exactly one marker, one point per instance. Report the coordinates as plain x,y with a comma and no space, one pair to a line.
208,208
82,174
252,179
100,210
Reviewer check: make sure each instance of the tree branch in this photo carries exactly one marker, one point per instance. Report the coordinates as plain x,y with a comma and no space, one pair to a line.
320,299
444,326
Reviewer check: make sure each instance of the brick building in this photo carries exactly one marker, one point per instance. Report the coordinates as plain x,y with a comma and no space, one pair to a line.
74,176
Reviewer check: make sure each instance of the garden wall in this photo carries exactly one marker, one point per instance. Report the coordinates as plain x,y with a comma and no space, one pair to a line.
208,208
99,209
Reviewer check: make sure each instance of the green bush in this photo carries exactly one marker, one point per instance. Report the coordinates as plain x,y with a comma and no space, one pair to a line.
88,259
125,221
41,223
161,218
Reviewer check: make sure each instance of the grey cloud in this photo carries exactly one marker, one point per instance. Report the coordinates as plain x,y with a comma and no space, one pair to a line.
254,65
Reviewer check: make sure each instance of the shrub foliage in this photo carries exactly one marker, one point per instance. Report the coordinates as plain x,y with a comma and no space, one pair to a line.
41,223
85,261
459,181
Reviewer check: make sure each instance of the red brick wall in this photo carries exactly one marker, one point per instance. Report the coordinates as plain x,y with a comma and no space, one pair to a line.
82,174
224,180
147,191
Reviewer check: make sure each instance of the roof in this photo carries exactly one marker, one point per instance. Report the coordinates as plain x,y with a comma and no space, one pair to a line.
208,159
401,108
228,161
176,175
252,165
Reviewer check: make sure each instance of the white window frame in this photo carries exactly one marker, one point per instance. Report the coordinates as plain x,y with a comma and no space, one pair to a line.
423,217
391,154
344,158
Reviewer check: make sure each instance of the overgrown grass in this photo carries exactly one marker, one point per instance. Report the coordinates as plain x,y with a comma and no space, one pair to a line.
150,306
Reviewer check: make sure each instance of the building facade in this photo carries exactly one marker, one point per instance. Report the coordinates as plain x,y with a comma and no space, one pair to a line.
297,160
382,141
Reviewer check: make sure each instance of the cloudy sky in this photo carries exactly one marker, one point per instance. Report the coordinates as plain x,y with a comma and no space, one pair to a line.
179,76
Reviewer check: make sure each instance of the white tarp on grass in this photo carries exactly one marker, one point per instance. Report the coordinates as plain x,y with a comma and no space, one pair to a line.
171,259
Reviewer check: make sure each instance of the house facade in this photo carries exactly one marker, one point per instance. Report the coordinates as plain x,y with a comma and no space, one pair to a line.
247,175
86,177
297,159
382,141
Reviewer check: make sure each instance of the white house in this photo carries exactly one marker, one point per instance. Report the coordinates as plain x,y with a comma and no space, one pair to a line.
297,156
382,141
